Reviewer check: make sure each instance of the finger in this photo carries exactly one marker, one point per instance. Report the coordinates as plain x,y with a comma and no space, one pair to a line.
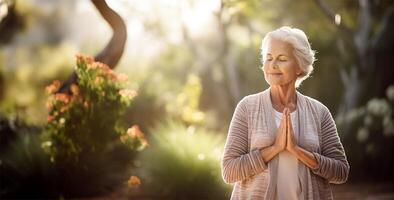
289,123
289,133
284,115
283,120
286,118
288,141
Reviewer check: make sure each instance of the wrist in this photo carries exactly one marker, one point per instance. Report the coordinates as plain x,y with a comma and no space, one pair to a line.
295,150
277,149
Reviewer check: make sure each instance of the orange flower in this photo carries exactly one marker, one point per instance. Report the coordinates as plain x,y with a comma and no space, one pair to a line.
74,89
103,67
49,105
84,58
93,65
122,77
79,58
54,87
62,97
133,181
130,94
98,80
50,118
135,131
144,143
86,104
124,138
63,109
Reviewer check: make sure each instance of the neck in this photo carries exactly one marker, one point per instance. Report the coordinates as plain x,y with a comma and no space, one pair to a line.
283,96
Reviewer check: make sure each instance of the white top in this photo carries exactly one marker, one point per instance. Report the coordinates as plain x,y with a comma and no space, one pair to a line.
288,184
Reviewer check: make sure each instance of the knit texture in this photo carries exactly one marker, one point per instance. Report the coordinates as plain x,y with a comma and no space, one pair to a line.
253,128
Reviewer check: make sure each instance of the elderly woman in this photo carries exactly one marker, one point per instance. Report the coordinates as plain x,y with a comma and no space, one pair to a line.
282,144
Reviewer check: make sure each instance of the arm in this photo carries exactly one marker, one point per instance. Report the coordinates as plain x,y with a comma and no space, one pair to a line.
269,152
237,162
331,163
305,157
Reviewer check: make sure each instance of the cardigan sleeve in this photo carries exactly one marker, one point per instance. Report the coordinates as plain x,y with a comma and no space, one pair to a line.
332,162
238,163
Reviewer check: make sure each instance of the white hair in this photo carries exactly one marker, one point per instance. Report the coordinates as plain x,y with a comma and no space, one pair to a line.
303,53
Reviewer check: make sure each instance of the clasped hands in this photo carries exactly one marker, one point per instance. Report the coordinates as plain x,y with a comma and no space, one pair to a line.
285,135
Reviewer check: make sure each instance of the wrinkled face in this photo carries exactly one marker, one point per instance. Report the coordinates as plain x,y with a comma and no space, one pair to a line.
280,66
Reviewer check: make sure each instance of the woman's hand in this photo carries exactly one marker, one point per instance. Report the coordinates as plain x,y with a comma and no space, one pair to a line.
280,141
281,134
291,144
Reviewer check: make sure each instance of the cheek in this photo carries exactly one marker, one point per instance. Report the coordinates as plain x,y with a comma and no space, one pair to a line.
290,68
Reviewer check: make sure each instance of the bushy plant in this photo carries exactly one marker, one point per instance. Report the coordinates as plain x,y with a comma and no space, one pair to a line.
88,119
25,170
371,146
85,136
183,163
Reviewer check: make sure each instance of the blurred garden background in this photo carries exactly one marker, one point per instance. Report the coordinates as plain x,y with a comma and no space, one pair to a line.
149,120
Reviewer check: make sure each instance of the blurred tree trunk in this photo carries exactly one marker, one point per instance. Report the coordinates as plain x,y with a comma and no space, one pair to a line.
371,73
224,60
113,51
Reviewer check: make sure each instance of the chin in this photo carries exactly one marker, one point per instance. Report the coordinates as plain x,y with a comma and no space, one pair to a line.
274,82
279,83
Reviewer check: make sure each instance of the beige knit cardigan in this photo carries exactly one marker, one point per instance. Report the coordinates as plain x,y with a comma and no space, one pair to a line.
253,128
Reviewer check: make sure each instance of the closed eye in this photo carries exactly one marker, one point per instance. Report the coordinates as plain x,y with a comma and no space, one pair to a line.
282,58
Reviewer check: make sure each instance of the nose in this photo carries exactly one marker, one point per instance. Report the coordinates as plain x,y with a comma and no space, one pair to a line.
274,64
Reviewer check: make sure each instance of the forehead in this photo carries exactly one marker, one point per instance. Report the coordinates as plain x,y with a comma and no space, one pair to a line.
276,47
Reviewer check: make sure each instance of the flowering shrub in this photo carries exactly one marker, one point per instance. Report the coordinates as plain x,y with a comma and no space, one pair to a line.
370,142
375,116
85,137
88,118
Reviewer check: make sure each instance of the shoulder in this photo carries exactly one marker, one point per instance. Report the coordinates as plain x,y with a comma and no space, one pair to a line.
318,106
251,100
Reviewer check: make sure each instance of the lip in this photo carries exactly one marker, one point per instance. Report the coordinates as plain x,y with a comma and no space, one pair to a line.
275,74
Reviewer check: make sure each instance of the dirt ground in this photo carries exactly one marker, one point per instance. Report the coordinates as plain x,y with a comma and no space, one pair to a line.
362,191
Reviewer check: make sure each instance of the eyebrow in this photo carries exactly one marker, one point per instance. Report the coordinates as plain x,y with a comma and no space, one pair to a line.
279,55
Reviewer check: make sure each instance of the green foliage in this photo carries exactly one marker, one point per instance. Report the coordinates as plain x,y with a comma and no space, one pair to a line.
25,169
376,116
186,104
88,120
372,133
84,149
183,163
26,73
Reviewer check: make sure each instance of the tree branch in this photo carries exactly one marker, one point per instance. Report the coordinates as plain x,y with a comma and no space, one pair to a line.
361,38
384,26
331,16
113,51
